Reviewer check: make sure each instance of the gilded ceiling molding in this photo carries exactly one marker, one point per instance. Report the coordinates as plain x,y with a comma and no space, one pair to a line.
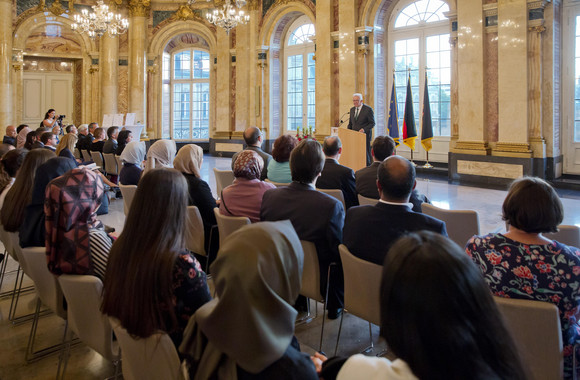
254,5
56,8
139,8
185,13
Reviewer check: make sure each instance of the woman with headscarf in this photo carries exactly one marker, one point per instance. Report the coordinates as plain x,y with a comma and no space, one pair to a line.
160,155
71,207
132,158
244,196
32,230
248,331
21,137
188,161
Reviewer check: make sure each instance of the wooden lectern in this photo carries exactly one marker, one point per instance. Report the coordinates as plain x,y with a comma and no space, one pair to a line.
354,148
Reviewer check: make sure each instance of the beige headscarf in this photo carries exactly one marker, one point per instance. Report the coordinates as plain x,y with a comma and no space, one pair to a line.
189,159
257,276
21,137
160,155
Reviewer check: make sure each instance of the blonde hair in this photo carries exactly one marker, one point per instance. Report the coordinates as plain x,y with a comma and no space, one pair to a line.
67,141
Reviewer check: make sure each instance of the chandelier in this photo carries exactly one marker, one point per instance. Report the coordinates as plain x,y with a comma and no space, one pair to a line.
229,16
99,22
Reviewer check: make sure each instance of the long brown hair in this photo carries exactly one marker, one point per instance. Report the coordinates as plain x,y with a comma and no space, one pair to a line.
67,141
138,282
20,194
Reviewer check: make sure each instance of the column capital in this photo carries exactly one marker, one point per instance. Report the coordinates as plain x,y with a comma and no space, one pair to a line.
139,8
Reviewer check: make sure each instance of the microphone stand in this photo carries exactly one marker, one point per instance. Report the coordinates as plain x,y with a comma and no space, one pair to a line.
342,121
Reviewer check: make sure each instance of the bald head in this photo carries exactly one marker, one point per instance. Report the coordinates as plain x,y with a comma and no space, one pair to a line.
253,136
332,147
11,131
396,179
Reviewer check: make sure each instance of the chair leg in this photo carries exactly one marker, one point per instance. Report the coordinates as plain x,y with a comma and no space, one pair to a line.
32,355
3,267
325,306
64,354
371,345
18,290
338,336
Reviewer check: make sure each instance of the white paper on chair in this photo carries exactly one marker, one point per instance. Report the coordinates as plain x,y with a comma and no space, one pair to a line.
118,119
107,121
130,119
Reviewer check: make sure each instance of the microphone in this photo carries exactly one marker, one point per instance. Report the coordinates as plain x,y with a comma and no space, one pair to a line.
341,121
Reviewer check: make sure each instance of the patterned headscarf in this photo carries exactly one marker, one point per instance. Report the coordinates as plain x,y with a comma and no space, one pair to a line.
21,138
248,165
189,159
160,155
71,207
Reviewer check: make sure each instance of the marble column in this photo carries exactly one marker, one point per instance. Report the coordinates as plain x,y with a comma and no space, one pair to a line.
254,9
243,83
535,79
139,12
5,63
223,81
470,73
347,61
109,64
262,83
364,76
324,56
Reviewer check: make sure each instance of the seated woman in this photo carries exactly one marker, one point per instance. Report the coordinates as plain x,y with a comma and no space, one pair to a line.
160,155
248,332
71,207
244,196
33,230
124,138
524,264
188,161
464,336
132,157
150,274
99,141
66,146
20,194
279,167
30,140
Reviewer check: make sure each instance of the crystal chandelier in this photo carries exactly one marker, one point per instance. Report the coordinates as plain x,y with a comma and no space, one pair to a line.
99,22
229,16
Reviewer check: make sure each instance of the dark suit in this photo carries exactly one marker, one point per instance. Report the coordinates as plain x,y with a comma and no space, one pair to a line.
265,156
85,141
110,146
9,140
337,176
369,231
366,121
317,218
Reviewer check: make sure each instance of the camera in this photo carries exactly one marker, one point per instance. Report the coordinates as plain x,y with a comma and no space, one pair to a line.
61,117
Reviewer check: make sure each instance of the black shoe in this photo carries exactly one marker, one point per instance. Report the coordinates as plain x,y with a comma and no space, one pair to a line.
301,304
334,313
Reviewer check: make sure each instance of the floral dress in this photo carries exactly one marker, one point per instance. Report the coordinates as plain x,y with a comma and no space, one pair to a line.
549,273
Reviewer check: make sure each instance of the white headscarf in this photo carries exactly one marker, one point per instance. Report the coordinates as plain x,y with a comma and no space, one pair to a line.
189,159
134,153
160,155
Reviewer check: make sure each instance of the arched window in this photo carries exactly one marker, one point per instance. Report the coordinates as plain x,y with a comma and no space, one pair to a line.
186,94
299,85
419,40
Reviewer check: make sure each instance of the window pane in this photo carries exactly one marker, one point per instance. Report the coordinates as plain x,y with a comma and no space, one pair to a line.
200,64
301,35
200,106
294,88
182,65
420,12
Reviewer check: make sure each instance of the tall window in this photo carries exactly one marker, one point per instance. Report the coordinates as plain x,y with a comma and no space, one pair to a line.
420,40
186,94
300,90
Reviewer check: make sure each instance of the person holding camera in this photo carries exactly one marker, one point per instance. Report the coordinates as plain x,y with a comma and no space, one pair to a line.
51,119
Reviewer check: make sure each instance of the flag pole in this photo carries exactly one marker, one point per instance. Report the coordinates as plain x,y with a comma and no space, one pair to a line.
427,164
412,162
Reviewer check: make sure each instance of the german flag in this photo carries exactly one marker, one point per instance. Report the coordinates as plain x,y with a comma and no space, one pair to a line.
426,122
409,129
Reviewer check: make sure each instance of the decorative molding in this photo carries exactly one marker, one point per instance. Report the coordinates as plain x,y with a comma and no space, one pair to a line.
185,13
512,147
56,8
254,5
453,41
490,10
93,69
535,4
139,8
538,29
472,145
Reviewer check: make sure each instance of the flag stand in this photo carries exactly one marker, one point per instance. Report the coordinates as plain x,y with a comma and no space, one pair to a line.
427,164
412,162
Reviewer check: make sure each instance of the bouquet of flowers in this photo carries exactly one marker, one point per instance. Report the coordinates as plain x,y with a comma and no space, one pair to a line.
305,133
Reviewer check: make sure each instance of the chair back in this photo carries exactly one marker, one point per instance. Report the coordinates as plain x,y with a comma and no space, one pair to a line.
336,193
195,235
111,163
366,201
77,154
128,192
228,224
310,272
461,224
7,241
119,163
86,155
569,235
362,286
223,178
277,184
535,327
149,358
98,159
83,297
33,262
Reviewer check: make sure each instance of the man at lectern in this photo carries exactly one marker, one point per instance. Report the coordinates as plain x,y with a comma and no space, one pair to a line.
362,119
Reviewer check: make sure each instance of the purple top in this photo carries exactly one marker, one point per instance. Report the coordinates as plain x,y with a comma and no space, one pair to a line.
244,198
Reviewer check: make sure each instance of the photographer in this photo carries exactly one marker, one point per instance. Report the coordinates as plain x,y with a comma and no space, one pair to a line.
51,119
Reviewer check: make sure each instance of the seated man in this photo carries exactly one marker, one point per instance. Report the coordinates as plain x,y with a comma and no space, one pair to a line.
253,139
49,140
366,178
111,144
10,136
316,217
369,231
335,175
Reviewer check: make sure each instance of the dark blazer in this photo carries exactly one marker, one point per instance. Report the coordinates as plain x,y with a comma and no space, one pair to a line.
369,231
200,195
317,218
9,140
337,176
85,141
265,156
97,146
110,146
366,121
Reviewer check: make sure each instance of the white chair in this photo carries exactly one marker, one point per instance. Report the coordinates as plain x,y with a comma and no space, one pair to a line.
111,164
195,234
362,289
366,201
119,163
86,155
83,295
128,192
535,327
228,224
461,224
13,245
149,358
33,261
336,193
569,235
98,159
223,178
77,154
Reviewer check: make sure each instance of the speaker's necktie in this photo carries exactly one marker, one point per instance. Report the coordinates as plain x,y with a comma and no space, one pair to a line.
356,114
